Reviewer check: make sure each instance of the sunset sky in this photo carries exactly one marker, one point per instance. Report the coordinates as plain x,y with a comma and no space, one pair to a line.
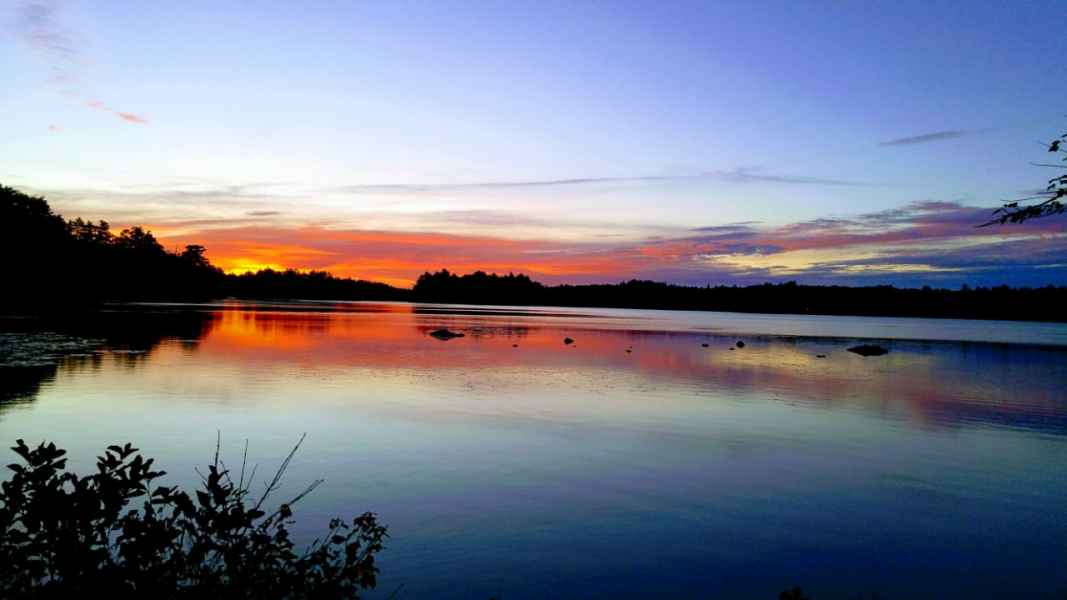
704,142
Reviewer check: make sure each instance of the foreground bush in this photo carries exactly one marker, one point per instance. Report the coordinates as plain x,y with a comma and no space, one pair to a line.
112,533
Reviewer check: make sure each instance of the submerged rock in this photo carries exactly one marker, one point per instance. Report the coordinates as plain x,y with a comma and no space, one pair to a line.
868,350
740,344
568,341
445,335
703,345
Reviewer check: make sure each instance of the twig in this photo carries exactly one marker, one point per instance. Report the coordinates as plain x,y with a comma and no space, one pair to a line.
218,443
276,480
244,461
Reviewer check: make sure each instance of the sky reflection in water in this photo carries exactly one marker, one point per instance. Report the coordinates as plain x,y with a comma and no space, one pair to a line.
584,470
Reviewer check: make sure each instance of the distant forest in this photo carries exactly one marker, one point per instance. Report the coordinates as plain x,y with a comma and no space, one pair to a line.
52,263
1021,304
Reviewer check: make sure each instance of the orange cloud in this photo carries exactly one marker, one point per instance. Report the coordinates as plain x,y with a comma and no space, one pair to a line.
132,118
125,116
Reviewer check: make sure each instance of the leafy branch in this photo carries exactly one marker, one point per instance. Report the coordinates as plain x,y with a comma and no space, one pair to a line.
1043,204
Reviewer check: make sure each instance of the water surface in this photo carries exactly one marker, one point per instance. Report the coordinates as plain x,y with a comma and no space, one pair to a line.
506,462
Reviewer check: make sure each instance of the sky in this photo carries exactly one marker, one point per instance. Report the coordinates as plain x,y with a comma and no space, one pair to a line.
700,143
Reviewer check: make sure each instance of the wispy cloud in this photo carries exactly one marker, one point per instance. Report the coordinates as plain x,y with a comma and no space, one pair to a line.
749,175
936,136
130,117
125,116
38,26
738,175
490,185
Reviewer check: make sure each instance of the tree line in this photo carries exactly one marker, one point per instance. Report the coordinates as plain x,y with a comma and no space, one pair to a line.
1002,302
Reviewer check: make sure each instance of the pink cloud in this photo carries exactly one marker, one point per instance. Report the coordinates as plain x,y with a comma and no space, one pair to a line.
40,27
130,117
125,116
922,222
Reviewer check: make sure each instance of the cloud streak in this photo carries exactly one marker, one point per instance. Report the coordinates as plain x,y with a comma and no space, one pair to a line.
41,30
936,136
125,116
39,27
739,175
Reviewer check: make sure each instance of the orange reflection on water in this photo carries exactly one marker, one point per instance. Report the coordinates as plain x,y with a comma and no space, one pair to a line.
927,384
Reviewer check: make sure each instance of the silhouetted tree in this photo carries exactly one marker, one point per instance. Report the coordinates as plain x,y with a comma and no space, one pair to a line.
1043,204
88,233
194,255
444,286
137,239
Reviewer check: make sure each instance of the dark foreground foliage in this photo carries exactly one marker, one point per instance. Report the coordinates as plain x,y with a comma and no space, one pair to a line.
113,534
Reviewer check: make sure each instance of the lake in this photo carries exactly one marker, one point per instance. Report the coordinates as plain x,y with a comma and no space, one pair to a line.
508,463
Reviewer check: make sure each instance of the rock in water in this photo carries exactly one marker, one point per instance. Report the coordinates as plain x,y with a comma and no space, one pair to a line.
740,344
568,341
703,345
868,350
445,335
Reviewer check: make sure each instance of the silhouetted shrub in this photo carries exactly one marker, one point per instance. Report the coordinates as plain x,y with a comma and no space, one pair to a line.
114,534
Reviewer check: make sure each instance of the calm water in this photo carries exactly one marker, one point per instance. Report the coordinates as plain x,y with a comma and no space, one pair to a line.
546,470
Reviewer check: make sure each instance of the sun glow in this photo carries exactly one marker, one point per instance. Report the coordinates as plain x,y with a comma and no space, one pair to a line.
241,265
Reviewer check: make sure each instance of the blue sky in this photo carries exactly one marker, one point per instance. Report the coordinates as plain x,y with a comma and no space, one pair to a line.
558,130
